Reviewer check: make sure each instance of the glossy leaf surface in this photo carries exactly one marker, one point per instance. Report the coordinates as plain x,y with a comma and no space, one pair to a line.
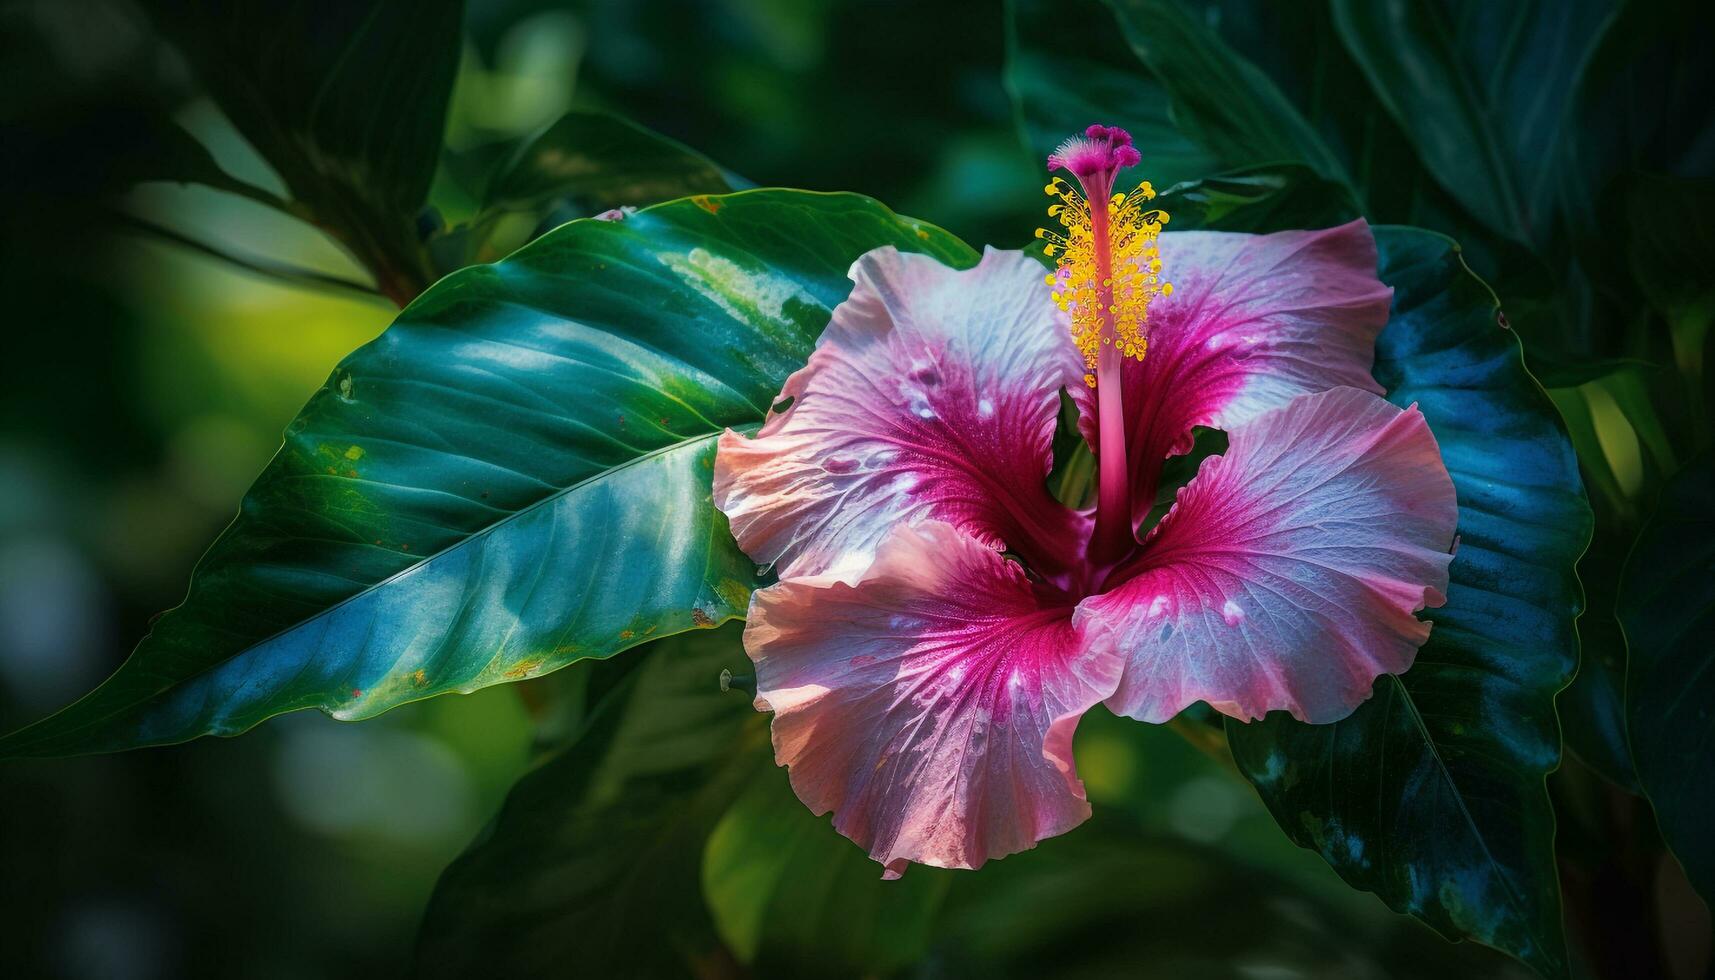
512,477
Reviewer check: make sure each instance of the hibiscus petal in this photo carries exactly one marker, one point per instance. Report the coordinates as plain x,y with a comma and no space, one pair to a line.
1253,321
932,394
931,705
1287,572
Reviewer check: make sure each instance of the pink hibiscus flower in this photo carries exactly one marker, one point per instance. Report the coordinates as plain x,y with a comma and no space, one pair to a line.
941,621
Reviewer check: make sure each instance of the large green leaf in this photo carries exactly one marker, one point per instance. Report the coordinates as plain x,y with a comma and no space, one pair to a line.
515,475
1432,793
1483,91
791,897
591,867
1667,606
1193,105
346,101
1632,423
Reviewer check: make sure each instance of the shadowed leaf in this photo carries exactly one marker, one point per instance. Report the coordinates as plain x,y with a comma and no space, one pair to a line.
1667,607
591,866
346,101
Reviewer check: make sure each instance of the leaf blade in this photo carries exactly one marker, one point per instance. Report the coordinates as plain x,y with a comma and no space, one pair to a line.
502,390
607,835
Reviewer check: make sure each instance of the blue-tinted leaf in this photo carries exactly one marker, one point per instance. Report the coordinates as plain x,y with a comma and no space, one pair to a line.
1432,793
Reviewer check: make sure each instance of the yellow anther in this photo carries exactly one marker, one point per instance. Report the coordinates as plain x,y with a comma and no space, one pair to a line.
1109,310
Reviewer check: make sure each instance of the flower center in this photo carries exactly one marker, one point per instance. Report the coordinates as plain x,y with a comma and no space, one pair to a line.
1108,272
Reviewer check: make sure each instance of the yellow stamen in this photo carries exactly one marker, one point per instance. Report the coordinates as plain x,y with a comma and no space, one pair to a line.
1132,229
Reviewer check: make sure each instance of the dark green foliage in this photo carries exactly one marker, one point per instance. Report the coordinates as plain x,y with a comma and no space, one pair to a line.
608,832
346,101
1667,605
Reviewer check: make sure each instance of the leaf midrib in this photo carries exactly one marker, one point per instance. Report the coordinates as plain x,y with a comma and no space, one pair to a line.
1465,814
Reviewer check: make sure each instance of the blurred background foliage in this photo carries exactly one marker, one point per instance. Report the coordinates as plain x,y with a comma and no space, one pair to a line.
164,333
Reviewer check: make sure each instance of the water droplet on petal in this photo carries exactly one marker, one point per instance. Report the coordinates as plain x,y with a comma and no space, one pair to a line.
1232,613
